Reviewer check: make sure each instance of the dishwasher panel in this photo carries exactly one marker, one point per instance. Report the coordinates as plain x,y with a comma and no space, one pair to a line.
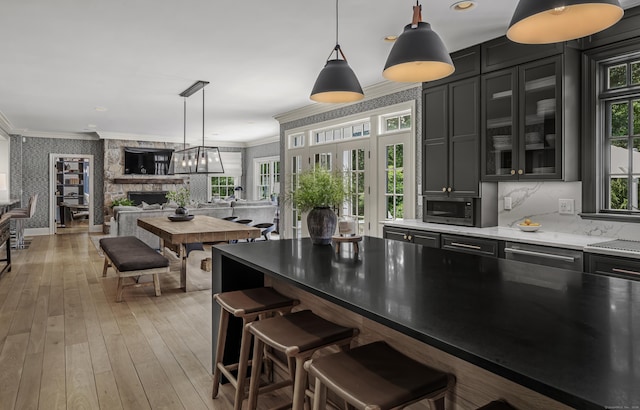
545,255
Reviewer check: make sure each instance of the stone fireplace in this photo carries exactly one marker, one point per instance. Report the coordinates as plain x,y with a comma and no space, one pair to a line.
149,197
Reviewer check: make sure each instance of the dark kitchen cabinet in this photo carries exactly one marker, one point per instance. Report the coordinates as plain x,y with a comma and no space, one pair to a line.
451,139
530,121
627,268
424,238
466,244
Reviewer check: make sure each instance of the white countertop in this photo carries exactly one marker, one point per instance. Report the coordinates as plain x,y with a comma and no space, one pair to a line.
541,237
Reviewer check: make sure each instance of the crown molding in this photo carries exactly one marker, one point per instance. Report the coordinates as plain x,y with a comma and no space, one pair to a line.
59,135
262,141
107,135
371,92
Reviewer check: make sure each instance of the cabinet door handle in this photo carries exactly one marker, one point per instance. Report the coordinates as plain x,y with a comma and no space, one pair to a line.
466,245
513,172
540,254
628,272
409,237
520,172
404,237
444,189
449,189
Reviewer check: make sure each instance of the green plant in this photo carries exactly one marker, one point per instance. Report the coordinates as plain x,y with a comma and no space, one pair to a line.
180,197
317,187
121,202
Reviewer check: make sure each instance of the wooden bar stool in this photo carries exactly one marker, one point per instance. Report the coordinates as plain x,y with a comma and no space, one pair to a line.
249,304
298,335
377,377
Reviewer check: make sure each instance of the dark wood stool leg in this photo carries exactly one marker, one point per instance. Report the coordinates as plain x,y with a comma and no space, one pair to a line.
245,347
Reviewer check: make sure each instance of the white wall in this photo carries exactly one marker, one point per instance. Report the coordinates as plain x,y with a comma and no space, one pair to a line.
4,164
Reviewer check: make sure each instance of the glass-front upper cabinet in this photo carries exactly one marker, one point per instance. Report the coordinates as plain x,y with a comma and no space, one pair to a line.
522,122
540,116
500,118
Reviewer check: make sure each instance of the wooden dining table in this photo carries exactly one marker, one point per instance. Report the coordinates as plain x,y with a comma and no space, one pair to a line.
201,229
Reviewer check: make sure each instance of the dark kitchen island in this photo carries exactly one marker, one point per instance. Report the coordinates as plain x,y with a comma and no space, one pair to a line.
572,337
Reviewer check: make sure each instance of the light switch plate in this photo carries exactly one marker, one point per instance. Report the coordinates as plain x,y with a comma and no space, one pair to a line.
566,206
507,203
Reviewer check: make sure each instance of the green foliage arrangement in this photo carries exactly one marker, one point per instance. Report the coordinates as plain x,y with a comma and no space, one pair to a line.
317,187
121,202
180,197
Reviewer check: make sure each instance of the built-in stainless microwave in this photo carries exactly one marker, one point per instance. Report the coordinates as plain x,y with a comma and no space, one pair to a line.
460,211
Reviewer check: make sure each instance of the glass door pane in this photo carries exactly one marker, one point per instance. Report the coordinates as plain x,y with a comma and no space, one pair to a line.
394,186
354,168
501,129
538,152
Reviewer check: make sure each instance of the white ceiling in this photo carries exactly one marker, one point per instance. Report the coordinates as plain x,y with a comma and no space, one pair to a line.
62,59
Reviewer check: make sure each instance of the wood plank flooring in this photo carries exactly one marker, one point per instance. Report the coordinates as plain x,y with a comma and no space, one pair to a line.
66,344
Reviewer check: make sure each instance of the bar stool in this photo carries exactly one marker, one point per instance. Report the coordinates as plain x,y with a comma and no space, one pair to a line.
247,304
20,215
376,376
298,335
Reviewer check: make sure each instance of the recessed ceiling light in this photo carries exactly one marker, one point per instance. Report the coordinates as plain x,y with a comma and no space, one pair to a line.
91,125
101,109
391,38
463,5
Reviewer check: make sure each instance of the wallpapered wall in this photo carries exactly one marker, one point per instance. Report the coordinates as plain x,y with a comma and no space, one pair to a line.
30,173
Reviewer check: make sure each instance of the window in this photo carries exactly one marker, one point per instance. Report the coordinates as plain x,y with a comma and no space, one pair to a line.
222,187
296,215
396,122
619,100
395,181
267,177
356,130
296,141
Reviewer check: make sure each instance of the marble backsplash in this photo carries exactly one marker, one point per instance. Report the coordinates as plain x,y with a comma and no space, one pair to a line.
538,201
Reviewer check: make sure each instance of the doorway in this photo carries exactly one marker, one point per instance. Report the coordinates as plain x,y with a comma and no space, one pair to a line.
71,205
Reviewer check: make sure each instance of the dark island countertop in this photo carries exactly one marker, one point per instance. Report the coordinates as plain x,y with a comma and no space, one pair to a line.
574,337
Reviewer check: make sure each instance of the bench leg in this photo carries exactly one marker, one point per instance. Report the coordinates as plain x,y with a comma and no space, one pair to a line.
156,283
106,266
119,289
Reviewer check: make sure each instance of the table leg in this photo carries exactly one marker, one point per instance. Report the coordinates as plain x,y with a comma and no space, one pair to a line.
183,267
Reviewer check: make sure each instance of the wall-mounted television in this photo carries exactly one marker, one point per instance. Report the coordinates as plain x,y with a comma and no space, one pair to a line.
147,161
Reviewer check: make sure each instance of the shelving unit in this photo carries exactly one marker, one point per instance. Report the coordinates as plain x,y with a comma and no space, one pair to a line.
70,189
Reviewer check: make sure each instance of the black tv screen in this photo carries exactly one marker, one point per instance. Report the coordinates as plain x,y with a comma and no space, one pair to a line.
147,161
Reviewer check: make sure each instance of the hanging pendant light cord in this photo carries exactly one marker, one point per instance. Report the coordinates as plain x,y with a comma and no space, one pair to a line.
203,117
337,48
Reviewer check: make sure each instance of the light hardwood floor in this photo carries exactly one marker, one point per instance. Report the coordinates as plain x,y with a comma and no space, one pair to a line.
65,343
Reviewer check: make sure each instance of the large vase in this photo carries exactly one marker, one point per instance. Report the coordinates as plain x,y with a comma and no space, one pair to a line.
321,222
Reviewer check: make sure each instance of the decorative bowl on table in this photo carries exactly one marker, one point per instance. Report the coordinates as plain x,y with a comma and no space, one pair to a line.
528,226
179,218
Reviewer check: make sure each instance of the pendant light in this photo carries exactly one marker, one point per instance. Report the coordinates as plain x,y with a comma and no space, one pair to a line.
337,82
200,159
553,21
418,55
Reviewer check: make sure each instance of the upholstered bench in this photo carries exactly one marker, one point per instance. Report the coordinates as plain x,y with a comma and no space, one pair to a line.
130,257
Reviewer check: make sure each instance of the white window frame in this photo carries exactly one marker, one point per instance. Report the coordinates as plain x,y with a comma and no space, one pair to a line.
373,175
274,182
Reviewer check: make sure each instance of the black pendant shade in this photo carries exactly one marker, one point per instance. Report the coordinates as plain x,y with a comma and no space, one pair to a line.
418,55
553,21
337,83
